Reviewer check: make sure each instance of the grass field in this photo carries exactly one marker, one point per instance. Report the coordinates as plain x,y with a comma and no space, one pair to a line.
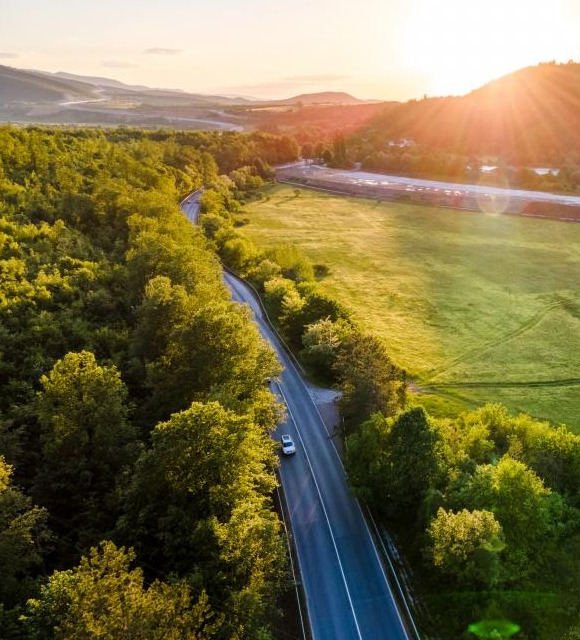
476,307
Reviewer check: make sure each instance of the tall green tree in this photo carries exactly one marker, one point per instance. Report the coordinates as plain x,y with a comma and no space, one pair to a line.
199,506
86,439
465,546
369,381
103,597
321,344
393,462
217,352
526,509
24,538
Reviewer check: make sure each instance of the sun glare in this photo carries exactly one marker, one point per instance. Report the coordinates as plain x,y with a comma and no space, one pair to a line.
460,45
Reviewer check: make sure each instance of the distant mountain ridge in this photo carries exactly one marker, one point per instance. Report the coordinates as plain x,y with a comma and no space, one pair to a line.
17,85
29,96
95,80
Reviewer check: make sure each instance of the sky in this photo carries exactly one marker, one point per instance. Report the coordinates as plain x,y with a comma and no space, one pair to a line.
384,49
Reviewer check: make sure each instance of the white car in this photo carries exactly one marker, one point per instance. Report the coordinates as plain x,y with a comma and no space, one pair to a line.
288,447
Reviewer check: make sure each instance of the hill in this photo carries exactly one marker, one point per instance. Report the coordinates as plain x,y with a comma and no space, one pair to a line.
42,86
95,80
530,116
18,86
28,96
323,97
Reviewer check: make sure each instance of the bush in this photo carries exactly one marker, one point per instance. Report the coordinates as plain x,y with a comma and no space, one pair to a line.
294,264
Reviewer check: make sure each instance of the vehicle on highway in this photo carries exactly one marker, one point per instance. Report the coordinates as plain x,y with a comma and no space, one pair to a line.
288,447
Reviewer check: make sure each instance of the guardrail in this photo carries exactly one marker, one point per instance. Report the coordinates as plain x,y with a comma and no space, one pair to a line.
271,325
390,553
188,196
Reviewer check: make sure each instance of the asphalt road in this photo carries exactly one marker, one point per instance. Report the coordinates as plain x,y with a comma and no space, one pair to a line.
347,593
190,206
362,179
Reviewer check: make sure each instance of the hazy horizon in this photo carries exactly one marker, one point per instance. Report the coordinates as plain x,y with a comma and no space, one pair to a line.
397,51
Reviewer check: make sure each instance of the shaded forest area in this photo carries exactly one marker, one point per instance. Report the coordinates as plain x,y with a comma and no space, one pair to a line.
136,467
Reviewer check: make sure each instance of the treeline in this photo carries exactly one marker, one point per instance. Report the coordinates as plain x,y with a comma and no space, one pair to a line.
424,161
136,469
378,155
314,123
320,331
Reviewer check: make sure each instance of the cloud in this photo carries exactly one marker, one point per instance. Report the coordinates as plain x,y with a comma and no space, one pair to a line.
8,56
118,64
160,51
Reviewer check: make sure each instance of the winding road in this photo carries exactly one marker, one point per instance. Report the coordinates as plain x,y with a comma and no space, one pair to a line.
347,592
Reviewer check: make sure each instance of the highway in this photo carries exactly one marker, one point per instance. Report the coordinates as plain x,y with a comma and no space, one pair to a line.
341,177
347,592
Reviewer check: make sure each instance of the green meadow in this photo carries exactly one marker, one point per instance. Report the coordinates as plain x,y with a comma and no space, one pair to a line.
476,307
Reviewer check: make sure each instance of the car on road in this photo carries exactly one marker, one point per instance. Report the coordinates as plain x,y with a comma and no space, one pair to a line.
288,447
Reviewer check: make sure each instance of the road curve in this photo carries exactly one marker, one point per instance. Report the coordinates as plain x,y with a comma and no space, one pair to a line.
190,206
347,592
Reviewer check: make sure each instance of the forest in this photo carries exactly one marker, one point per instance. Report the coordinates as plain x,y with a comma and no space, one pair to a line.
136,469
136,465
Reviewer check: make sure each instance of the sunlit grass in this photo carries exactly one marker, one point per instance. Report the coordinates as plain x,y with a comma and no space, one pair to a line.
481,301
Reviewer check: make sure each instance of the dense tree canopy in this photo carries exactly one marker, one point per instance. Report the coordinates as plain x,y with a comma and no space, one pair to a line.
197,506
392,461
465,545
113,316
24,538
86,441
490,501
103,597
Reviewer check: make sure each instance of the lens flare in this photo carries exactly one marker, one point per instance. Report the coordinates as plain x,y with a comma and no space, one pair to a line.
494,202
494,629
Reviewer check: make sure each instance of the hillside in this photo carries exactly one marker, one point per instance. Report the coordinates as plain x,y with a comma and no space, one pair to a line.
41,86
95,80
530,116
28,96
42,97
18,86
323,97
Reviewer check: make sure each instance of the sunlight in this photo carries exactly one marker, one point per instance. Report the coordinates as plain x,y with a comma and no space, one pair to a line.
459,45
